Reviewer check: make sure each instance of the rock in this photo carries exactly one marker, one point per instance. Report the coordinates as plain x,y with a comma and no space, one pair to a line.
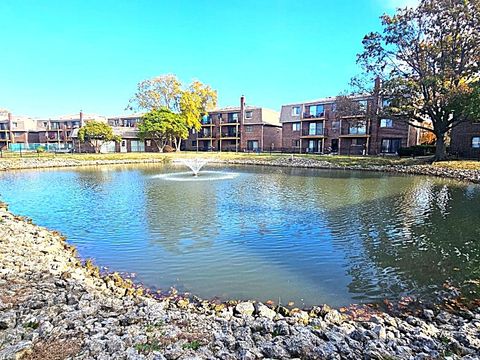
245,308
428,314
333,317
15,351
265,311
380,331
300,316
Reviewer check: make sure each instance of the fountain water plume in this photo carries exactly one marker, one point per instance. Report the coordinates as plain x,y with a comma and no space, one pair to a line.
194,164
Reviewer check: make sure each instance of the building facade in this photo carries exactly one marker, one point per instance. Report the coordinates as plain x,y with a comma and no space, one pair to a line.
465,140
243,128
321,126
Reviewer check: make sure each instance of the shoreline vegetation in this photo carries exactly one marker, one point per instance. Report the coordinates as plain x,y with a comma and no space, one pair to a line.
55,306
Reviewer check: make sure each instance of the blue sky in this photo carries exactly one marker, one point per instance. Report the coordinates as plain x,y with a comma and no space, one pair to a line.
62,56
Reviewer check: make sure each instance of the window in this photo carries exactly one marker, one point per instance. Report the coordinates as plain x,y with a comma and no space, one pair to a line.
14,125
476,142
194,142
45,124
333,107
295,110
386,123
148,142
386,103
18,134
296,126
315,111
296,143
335,125
248,114
358,142
315,129
391,146
359,128
248,128
362,104
252,145
194,131
233,117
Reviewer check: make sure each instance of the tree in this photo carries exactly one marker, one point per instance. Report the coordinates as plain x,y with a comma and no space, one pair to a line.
156,93
429,63
166,92
163,126
195,102
96,133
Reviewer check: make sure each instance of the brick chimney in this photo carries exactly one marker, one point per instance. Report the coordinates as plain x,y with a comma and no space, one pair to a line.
81,118
10,127
242,120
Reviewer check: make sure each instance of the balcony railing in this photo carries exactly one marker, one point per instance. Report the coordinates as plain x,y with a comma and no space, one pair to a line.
229,134
202,135
314,132
317,115
229,121
360,131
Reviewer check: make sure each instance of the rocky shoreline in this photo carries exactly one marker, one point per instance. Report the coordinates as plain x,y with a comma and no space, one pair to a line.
472,176
54,307
40,163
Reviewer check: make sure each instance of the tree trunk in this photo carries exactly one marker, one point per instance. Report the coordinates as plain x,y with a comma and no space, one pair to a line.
440,148
178,143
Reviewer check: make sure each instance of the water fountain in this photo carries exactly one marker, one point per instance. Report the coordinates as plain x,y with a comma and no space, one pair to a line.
195,165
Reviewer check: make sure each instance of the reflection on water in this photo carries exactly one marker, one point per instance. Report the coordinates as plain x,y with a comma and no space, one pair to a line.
311,236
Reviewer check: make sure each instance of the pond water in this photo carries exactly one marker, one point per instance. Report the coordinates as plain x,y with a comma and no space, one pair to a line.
303,235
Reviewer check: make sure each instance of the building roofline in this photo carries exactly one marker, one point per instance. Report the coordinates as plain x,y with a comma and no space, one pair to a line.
328,100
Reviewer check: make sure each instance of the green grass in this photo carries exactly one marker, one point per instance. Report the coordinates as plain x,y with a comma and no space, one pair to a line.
459,164
192,345
338,160
148,347
31,325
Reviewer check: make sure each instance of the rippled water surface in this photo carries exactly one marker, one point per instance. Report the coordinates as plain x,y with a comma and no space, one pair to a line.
308,236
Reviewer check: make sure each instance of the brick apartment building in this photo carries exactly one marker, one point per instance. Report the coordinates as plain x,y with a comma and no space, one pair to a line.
465,140
16,131
317,127
243,128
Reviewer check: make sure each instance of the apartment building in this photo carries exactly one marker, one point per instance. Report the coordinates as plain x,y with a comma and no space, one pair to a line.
16,131
465,140
320,126
242,128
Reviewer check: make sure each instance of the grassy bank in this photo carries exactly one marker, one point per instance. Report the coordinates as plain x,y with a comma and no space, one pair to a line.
337,160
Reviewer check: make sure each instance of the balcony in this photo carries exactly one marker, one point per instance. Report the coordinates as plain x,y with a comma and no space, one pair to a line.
317,115
354,132
229,135
229,122
206,121
206,135
318,132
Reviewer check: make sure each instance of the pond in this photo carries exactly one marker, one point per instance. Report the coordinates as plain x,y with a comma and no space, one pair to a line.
304,235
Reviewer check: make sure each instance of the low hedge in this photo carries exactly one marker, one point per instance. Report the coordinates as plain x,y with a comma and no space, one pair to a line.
417,150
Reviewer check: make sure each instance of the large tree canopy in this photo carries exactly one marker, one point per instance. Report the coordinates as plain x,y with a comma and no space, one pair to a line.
96,133
429,61
162,126
166,92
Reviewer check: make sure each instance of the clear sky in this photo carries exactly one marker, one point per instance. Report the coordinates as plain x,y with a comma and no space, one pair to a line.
58,57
